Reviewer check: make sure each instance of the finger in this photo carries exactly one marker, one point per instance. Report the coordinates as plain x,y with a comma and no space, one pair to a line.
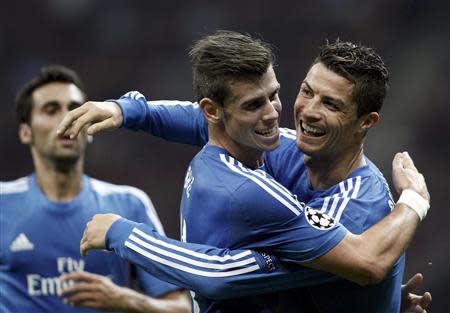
408,162
397,160
77,297
81,277
413,283
85,119
69,118
426,300
84,248
101,126
79,288
89,304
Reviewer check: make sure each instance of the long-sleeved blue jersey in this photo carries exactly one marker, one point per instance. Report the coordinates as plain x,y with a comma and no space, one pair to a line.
358,202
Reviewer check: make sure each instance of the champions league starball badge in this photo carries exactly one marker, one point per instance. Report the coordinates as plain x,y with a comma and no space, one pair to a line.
319,220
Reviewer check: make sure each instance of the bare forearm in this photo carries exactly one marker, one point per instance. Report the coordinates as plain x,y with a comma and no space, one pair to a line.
386,241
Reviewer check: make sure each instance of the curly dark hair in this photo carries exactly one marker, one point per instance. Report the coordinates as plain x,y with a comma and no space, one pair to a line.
47,74
227,56
363,67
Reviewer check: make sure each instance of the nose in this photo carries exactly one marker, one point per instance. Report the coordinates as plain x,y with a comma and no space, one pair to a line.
272,110
309,109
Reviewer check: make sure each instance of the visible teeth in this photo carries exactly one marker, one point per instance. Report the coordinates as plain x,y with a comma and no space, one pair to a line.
267,132
311,130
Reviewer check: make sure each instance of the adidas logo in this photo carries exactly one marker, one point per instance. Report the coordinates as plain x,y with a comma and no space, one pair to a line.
21,243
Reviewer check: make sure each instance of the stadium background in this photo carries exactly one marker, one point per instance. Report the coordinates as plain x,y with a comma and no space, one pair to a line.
118,46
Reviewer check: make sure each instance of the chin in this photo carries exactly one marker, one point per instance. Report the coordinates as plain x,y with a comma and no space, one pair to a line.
272,146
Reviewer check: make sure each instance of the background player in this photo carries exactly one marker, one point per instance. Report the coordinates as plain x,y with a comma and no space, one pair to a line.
43,216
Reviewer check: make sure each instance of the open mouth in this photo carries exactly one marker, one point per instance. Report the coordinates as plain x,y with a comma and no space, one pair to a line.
310,130
66,141
267,132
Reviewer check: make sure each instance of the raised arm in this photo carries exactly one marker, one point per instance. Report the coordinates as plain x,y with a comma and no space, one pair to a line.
179,121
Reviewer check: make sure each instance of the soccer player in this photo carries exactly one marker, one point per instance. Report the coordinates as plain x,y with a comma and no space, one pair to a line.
43,216
242,110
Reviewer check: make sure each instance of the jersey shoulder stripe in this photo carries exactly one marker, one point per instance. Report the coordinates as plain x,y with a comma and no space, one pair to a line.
335,204
288,133
16,186
190,261
104,189
277,191
174,102
136,95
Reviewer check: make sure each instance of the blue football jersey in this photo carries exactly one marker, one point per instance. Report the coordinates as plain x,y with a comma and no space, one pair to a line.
228,205
40,240
358,202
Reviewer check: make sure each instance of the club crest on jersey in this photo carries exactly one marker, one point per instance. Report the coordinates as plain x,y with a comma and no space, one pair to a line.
319,220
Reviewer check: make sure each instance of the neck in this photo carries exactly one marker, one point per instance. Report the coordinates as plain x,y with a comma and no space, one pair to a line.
59,182
325,172
251,158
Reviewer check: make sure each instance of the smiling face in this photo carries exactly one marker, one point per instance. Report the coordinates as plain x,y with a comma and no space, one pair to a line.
50,103
326,115
250,117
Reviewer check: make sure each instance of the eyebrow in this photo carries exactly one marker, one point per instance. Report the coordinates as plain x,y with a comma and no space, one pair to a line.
51,102
256,99
327,98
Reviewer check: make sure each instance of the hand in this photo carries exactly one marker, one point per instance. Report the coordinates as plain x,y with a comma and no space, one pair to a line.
406,176
95,232
100,116
412,303
93,291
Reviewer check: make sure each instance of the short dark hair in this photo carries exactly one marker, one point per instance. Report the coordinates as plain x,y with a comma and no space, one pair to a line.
47,74
227,56
363,67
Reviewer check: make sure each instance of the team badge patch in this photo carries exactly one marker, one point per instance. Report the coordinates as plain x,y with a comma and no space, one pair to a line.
319,220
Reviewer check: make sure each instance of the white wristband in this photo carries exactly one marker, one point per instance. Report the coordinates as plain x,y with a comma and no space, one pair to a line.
415,201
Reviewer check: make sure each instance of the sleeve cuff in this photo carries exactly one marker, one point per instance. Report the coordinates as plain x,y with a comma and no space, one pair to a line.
131,113
118,233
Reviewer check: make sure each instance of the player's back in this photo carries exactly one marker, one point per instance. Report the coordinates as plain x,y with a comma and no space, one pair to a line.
213,212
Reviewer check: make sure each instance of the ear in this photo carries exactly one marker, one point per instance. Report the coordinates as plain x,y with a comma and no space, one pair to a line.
25,133
211,110
369,120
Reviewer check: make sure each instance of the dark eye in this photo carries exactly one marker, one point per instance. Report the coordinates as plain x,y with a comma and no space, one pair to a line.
331,105
254,105
274,95
306,91
50,108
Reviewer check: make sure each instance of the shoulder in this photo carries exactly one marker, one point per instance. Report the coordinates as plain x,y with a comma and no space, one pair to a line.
357,202
287,134
287,149
17,186
130,199
373,186
262,194
108,189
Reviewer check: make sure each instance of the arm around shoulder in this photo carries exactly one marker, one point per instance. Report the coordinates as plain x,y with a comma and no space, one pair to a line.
368,257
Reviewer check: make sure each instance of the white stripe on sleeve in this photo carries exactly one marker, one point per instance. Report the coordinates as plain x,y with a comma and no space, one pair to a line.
188,269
